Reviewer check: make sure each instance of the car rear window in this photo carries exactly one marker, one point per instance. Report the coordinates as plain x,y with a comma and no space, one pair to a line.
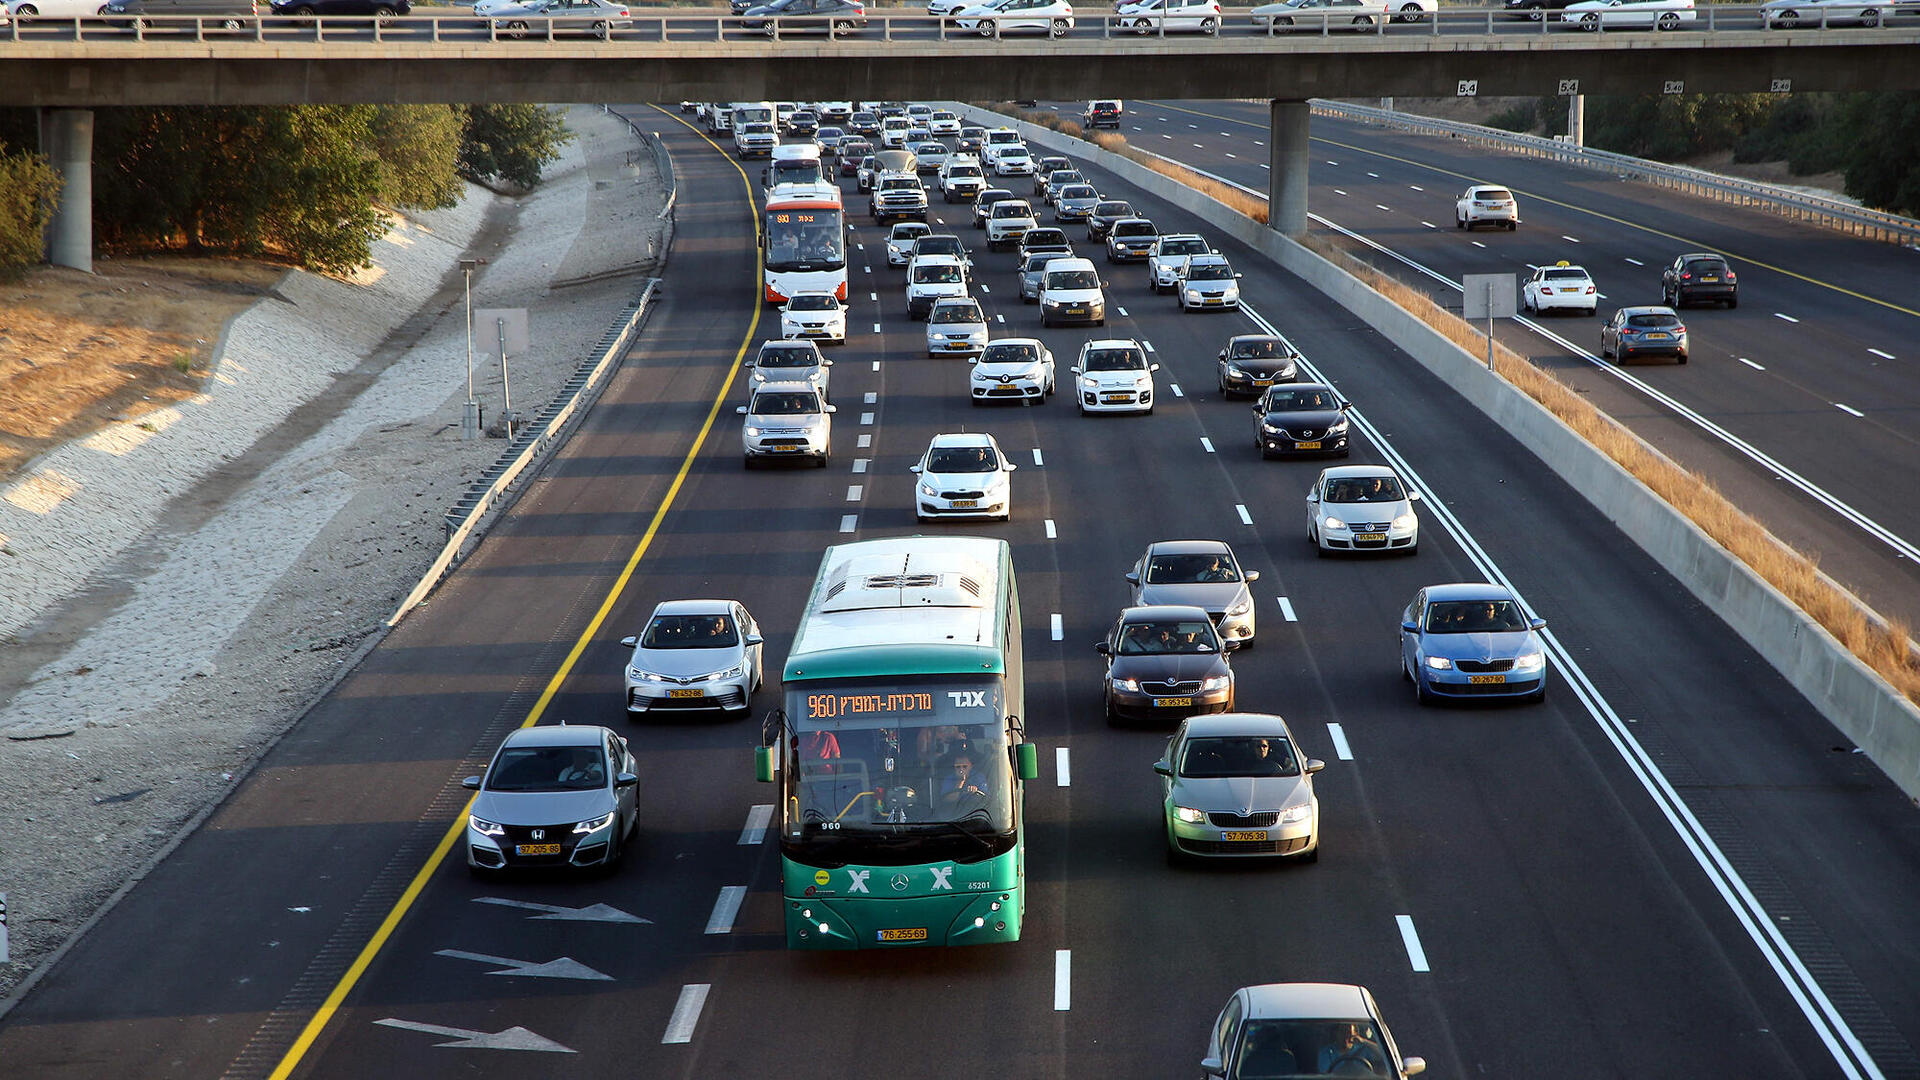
1655,322
1493,194
1706,266
1566,275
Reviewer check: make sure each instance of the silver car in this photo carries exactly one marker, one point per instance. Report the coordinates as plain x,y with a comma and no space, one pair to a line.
1304,1029
694,654
1202,573
1033,271
554,796
1234,785
786,420
791,360
956,327
900,241
1362,508
1075,203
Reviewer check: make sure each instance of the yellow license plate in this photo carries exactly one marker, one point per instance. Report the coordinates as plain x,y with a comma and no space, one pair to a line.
537,849
1244,836
1657,337
1306,446
965,504
1173,702
912,933
686,693
1263,382
1076,311
1369,536
1709,280
1486,679
1114,399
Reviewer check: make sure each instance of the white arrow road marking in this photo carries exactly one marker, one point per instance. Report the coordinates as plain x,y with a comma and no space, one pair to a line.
725,908
686,1013
1340,747
757,820
566,967
590,913
513,1038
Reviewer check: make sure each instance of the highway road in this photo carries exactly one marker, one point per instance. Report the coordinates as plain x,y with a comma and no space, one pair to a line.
1669,868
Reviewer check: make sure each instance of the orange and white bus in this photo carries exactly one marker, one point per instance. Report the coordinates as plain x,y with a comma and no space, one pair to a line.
806,241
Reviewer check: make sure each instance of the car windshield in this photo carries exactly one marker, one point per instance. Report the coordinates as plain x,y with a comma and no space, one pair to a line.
1191,569
1048,164
1076,191
962,459
1133,228
1127,359
957,313
790,404
1259,349
813,302
1006,208
1238,755
1012,152
936,274
1310,1048
1163,637
926,148
938,245
899,183
1298,400
1064,176
548,768
1112,209
1210,272
910,232
776,357
690,632
1009,354
1474,617
1360,489
964,170
1073,279
1044,237
1183,247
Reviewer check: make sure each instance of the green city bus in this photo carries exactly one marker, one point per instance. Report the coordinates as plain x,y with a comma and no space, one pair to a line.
900,751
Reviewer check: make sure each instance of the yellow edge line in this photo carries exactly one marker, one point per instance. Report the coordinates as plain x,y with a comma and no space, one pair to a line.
324,1015
1569,206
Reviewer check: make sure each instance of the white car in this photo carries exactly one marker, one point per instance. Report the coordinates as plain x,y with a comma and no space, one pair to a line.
1314,15
1207,283
1362,508
1071,291
1007,221
1169,254
930,156
786,420
1172,16
944,125
961,179
964,475
694,654
1628,14
819,316
786,360
1787,14
932,278
900,241
996,17
1485,204
1114,375
1560,287
1013,161
26,10
956,327
1012,369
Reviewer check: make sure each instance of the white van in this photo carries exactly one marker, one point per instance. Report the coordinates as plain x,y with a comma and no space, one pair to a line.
793,163
1070,292
996,140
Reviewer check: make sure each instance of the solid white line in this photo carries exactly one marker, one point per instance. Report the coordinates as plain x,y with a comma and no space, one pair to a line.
853,492
1206,443
1569,239
1412,937
866,419
1636,262
1848,409
1037,459
1429,224
1245,518
1051,534
1059,628
1881,355
1062,980
725,908
1751,364
1340,748
1789,318
757,820
865,441
848,521
1064,775
1286,609
1175,387
1416,187
871,397
686,1013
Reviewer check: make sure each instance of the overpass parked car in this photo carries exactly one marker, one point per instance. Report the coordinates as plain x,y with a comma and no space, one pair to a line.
1644,331
1202,573
1300,418
1304,1029
1249,363
694,655
379,9
1788,14
1114,375
556,795
1012,369
1628,14
543,18
28,10
998,17
1170,16
1700,276
1471,640
790,17
1314,14
1534,10
964,475
1237,785
1362,508
1104,214
1486,204
229,15
1165,662
1560,287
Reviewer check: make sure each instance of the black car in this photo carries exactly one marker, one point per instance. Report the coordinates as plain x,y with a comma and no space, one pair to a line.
804,122
1105,213
1534,9
984,202
970,137
806,16
1300,418
1700,277
1252,362
375,8
864,123
1165,662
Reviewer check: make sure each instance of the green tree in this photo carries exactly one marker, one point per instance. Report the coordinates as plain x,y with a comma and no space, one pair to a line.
29,193
511,142
1885,168
1672,127
418,148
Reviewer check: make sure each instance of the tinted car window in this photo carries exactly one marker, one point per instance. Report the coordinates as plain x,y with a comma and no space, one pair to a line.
689,632
1474,616
1116,360
1358,489
1298,400
937,273
1165,637
1654,321
1238,755
1009,354
1073,279
1190,569
1258,350
962,459
784,404
957,313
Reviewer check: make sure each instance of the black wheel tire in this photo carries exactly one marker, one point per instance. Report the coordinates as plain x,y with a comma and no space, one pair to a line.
1209,26
1513,226
517,30
1590,22
1539,695
1459,222
1667,21
1533,16
1412,549
26,11
1057,28
232,26
1411,13
1683,358
1733,303
986,28
1421,694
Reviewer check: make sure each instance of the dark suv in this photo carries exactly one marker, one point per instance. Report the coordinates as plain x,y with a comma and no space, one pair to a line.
1101,113
1700,277
226,14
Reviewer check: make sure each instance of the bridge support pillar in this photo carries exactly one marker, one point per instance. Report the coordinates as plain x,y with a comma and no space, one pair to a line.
1577,119
66,137
1287,181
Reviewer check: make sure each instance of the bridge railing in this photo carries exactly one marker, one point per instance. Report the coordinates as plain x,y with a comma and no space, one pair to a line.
1832,213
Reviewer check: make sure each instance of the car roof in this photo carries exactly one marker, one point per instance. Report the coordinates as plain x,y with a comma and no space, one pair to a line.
693,607
1130,220
790,344
1650,309
557,735
1469,590
1702,255
1181,236
1143,612
956,301
936,258
1111,343
961,438
1306,1001
1238,723
1032,341
1071,262
1348,472
1256,337
1206,258
1189,547
791,387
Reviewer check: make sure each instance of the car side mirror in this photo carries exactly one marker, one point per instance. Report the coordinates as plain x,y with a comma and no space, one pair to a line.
1345,405
1257,410
625,779
1313,496
1221,355
831,409
1253,576
630,641
1163,768
1075,369
1314,765
1232,645
471,783
913,468
1153,367
1238,274
1413,1066
740,410
1133,577
971,360
755,639
1536,624
1103,648
826,363
1011,466
1409,627
1212,1067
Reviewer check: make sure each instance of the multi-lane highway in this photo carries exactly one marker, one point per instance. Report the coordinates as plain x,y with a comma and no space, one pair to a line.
1666,869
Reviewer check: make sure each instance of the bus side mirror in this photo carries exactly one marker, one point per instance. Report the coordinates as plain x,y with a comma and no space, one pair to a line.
763,764
1028,756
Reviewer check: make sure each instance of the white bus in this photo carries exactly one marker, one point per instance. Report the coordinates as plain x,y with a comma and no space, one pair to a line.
806,240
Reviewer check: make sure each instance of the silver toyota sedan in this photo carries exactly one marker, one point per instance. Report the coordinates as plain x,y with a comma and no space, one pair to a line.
694,654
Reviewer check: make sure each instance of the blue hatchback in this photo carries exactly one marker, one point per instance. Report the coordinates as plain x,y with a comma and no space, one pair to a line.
1471,640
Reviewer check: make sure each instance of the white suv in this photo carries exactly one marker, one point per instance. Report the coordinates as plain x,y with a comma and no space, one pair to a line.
961,179
1114,375
931,278
898,195
1167,256
786,420
1007,222
1487,205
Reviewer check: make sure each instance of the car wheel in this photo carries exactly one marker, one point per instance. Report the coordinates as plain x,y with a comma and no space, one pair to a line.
518,29
384,11
1209,26
1667,21
1683,358
1592,311
1590,22
25,12
746,461
1058,28
232,26
1512,226
1733,303
1786,20
1176,859
986,27
1533,16
1412,549
1420,692
1411,13
1459,221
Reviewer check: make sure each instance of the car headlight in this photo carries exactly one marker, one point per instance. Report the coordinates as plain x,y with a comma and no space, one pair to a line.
733,672
1232,292
1189,815
594,824
1050,302
1193,295
1144,382
637,675
485,827
1530,662
753,433
929,490
1294,815
1405,521
1090,384
1269,428
1337,426
1129,685
1332,523
1439,663
1242,607
1218,682
1236,370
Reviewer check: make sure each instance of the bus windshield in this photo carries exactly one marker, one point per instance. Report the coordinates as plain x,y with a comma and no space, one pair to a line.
909,770
809,239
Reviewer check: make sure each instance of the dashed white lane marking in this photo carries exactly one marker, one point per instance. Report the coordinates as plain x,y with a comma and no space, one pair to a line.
1569,239
1059,627
1245,518
1175,387
876,363
999,318
1636,262
868,269
865,441
1286,609
725,908
853,492
1340,748
1123,312
1226,134
870,397
1337,191
1062,980
757,820
1206,444
984,287
1333,163
1232,156
1478,244
873,296
1881,355
1147,345
1061,772
1429,224
1257,142
1164,135
1848,409
1266,166
1197,146
686,1013
859,247
1382,206
1751,364
860,464
1037,459
1051,533
1415,954
876,328
866,419
1416,187
1789,318
848,522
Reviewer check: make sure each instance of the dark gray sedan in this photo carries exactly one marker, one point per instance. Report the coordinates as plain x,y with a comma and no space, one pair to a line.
1252,362
554,796
1165,662
1033,268
1200,573
1300,418
1105,213
1075,202
1237,785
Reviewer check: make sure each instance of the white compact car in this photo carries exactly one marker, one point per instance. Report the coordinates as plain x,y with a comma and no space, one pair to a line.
956,327
694,654
1166,257
1484,204
1171,16
996,17
1012,369
932,278
819,316
1013,161
1560,287
1362,508
944,125
1629,14
964,475
1007,222
1114,375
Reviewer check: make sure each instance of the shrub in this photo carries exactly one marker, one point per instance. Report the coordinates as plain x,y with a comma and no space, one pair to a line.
29,192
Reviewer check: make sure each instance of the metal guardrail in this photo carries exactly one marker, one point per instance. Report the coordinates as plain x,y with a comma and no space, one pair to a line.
1832,213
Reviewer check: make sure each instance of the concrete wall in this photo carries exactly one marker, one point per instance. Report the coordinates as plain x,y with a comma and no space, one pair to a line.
1865,707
